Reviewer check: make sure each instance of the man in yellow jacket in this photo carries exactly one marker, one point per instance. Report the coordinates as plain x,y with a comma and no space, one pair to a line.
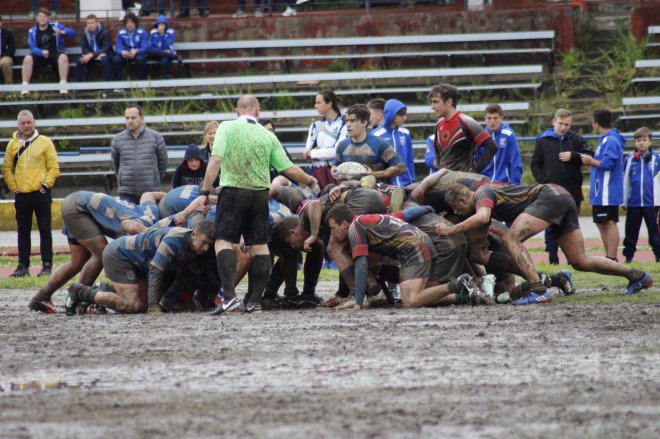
30,169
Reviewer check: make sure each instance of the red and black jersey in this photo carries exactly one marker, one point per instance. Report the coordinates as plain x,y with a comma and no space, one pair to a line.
456,141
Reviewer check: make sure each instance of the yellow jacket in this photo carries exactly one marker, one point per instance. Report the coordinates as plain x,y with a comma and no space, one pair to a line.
37,165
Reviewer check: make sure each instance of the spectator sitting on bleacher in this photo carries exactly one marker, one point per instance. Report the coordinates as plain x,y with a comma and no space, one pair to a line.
191,170
46,47
240,13
96,49
7,50
132,45
184,10
161,44
146,9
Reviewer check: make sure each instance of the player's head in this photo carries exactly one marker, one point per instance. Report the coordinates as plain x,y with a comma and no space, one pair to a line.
202,237
357,119
292,233
339,219
443,99
458,197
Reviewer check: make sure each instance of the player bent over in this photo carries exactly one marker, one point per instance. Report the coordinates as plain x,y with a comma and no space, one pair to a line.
137,264
532,209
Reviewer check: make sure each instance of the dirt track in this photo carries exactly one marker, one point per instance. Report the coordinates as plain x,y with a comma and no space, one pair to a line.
539,371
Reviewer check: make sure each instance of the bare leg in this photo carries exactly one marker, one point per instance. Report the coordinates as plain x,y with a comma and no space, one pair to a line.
63,66
609,234
92,268
415,295
79,255
524,227
243,262
341,256
127,298
26,72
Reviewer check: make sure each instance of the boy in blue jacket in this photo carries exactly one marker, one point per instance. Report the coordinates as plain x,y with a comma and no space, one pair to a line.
506,166
46,47
429,154
161,44
606,180
396,135
132,45
641,190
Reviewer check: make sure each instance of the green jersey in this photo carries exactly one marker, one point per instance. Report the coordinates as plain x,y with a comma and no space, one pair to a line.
247,150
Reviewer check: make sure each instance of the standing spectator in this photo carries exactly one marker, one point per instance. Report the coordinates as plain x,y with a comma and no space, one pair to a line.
323,137
393,132
376,112
641,189
54,6
161,44
30,169
146,9
606,180
138,156
458,136
184,10
191,170
557,159
240,13
7,51
46,47
209,136
245,149
126,5
429,154
96,49
131,45
506,166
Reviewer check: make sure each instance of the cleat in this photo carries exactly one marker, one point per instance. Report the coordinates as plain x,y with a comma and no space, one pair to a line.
72,299
249,308
39,306
271,303
505,297
21,271
225,305
46,270
302,301
379,300
633,287
566,283
533,298
469,288
82,308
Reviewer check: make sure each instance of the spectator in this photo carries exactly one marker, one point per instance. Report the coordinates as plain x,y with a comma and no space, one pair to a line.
323,137
7,51
641,189
46,47
161,44
429,154
54,6
506,166
126,6
191,170
96,49
132,45
184,10
138,156
606,180
557,159
290,11
393,132
146,9
30,169
240,13
209,136
376,112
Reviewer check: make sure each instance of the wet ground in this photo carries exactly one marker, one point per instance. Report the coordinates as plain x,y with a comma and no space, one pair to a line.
556,370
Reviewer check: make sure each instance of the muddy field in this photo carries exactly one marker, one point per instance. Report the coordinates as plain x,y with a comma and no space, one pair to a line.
556,370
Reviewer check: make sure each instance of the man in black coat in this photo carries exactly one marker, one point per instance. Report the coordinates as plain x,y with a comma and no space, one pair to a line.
96,49
556,159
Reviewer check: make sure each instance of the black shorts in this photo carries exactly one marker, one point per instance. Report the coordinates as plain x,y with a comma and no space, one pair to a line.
242,212
78,222
40,62
603,214
557,207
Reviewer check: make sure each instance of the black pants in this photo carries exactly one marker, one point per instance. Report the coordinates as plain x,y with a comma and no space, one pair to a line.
39,204
285,269
634,217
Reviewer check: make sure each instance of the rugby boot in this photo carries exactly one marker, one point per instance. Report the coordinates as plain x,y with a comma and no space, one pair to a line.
272,302
72,298
225,305
566,283
634,286
533,298
46,307
376,301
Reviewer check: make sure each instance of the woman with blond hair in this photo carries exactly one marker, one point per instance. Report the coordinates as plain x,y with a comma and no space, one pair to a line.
209,136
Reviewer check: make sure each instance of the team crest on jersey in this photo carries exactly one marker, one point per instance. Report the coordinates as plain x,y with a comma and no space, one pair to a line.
502,143
130,275
445,136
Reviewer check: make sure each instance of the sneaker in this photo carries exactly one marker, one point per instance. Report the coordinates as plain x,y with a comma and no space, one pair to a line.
258,13
46,270
397,199
25,92
203,12
633,287
533,298
566,283
39,306
118,90
289,12
122,15
376,301
239,14
72,299
468,287
225,305
21,271
63,91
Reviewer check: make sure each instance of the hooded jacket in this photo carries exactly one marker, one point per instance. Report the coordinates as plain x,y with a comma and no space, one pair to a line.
163,41
399,138
606,182
7,43
547,168
139,40
183,175
32,37
97,42
36,166
641,182
506,166
429,154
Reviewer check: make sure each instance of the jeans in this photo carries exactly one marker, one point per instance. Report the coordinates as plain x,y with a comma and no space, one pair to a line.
165,59
118,62
82,70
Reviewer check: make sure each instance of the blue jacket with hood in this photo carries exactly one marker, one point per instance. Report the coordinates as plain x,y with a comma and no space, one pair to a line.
429,154
139,40
162,41
606,182
641,181
506,166
32,37
400,139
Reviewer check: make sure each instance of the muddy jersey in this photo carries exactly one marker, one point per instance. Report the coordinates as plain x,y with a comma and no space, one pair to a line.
456,142
109,212
293,196
390,236
178,199
506,202
162,248
373,152
435,196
